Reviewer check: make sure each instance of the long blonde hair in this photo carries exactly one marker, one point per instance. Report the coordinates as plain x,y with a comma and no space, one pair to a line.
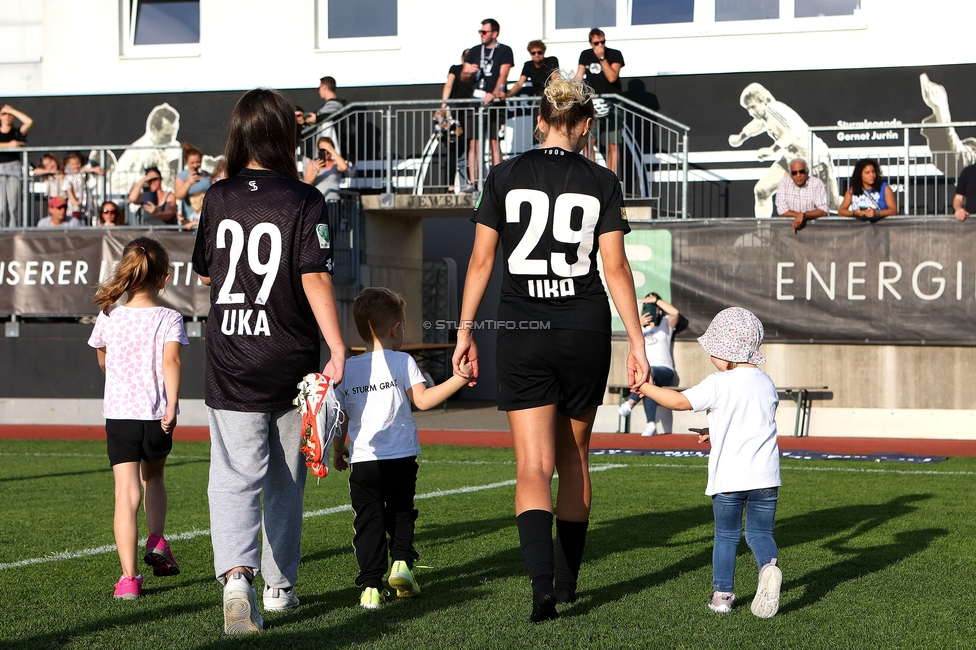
143,267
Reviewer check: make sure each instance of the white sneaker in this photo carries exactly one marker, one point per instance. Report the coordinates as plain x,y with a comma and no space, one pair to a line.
241,614
278,600
766,602
650,429
625,409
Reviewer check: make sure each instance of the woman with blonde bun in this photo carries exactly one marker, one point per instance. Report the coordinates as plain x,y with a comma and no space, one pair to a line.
552,210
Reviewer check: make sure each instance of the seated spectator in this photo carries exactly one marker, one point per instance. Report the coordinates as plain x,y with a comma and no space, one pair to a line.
800,197
191,184
159,205
964,200
536,72
869,197
74,186
326,171
110,215
57,215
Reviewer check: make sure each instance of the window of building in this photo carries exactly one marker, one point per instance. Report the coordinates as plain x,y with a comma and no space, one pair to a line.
346,18
164,22
342,28
727,10
659,12
813,8
578,14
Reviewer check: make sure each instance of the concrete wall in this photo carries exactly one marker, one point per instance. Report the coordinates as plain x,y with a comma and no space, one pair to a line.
878,390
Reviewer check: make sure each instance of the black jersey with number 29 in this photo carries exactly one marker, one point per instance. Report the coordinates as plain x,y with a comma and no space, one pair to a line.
259,232
550,207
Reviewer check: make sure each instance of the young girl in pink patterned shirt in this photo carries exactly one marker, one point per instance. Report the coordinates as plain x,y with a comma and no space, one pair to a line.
138,346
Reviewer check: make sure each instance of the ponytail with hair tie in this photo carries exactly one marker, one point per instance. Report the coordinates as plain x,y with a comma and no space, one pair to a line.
135,272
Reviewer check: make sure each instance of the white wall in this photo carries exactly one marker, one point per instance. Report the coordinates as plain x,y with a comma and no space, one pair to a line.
246,43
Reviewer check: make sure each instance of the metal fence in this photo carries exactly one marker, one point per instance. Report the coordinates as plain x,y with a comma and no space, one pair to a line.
922,168
108,174
420,147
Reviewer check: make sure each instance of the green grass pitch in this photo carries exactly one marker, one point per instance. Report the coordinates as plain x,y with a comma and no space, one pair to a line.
873,556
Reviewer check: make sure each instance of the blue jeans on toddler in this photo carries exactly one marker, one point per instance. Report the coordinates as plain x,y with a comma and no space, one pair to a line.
760,507
662,376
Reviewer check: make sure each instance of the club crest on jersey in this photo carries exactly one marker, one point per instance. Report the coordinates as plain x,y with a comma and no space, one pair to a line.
253,185
322,231
623,213
552,288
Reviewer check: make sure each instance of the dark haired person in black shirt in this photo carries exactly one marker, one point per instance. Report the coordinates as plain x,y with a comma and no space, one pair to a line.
263,246
10,164
600,67
552,211
964,201
536,71
494,61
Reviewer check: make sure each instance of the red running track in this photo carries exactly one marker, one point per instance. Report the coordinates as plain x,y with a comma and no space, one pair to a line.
598,441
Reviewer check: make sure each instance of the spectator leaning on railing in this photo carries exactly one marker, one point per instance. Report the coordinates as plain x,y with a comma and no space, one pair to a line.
869,197
494,60
536,72
327,91
800,196
11,137
50,172
57,215
75,188
600,67
964,202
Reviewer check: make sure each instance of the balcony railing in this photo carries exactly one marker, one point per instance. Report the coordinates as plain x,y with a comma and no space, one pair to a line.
421,147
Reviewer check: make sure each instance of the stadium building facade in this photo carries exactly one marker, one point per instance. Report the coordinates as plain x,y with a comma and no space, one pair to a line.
91,74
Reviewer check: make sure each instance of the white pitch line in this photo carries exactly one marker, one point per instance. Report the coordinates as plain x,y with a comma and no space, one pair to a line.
32,454
854,470
110,548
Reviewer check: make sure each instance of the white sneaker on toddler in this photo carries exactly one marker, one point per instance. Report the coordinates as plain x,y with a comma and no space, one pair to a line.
721,602
650,430
766,602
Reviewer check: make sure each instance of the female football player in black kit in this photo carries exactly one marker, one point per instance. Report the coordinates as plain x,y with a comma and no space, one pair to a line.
552,210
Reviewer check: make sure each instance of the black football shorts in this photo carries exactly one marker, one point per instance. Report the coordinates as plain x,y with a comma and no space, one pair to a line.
568,368
130,441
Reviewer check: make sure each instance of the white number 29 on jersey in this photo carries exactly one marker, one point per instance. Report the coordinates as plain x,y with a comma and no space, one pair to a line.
268,269
519,262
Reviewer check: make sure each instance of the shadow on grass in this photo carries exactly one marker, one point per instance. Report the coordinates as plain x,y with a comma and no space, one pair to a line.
848,523
98,470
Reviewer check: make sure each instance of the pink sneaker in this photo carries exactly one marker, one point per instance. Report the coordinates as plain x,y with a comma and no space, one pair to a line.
128,587
160,558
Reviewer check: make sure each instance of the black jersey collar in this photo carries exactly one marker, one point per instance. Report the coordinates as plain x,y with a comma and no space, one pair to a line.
247,171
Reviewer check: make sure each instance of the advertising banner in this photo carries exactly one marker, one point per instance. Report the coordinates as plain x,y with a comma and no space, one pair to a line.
902,280
55,273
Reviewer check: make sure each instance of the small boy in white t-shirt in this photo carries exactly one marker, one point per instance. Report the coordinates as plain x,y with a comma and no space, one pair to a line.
374,394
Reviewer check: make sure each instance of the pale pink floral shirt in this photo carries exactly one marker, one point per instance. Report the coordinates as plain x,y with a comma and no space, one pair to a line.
133,339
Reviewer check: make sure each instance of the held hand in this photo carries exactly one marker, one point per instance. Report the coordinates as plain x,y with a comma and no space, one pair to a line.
339,457
637,368
961,214
466,368
466,353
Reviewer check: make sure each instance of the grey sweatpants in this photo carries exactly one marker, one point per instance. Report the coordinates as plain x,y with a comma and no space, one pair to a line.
253,454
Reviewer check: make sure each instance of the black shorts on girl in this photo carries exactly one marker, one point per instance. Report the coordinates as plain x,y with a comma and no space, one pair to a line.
568,368
130,441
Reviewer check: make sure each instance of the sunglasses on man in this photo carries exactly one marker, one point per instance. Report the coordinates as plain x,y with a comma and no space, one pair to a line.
798,172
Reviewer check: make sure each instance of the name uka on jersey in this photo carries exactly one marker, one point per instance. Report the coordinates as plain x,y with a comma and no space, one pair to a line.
551,288
240,320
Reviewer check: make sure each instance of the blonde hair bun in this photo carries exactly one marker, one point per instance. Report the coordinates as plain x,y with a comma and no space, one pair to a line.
563,92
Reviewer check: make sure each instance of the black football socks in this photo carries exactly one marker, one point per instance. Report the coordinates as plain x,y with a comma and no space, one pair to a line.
570,541
535,537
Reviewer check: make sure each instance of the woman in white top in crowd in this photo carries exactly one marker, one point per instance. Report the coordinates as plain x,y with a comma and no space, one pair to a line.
659,319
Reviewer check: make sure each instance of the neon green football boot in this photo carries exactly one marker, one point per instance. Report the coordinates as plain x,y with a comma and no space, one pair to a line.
401,579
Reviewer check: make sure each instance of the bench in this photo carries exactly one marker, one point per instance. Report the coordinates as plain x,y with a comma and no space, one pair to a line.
802,396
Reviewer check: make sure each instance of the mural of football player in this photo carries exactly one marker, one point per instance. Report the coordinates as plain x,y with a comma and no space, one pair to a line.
162,128
949,153
791,139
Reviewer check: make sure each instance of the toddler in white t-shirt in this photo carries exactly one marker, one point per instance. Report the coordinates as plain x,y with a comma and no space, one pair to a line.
743,465
375,393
